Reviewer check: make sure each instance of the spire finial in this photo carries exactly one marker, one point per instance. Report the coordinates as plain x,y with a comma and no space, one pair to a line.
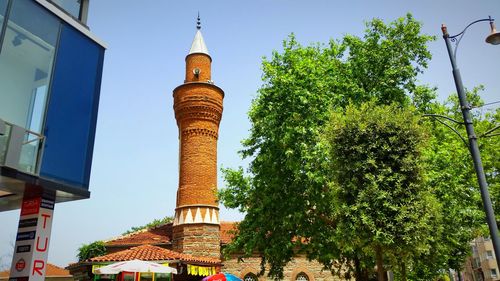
198,22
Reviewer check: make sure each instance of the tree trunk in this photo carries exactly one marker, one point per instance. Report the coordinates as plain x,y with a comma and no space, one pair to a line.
366,275
403,270
357,270
380,263
459,275
360,274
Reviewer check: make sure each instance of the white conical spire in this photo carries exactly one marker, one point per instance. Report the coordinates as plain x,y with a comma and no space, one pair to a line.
198,45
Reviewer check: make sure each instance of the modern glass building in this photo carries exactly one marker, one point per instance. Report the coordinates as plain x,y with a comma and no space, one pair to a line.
50,76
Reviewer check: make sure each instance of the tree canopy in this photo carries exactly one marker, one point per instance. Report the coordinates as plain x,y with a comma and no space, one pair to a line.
98,248
154,223
295,202
380,197
88,251
284,192
452,177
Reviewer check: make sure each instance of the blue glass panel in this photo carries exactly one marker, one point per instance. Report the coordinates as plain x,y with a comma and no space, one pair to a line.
72,111
3,7
31,17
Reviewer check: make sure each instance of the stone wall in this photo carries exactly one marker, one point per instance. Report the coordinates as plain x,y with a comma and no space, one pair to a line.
313,270
197,239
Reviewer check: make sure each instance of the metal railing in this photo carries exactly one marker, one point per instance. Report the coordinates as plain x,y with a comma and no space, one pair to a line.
20,149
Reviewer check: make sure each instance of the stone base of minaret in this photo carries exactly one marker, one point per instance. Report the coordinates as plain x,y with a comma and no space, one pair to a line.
197,239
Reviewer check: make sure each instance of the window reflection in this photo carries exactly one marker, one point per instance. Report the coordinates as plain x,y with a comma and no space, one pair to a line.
73,7
26,60
3,7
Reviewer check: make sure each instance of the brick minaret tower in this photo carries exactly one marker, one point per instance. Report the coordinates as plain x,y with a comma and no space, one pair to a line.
198,110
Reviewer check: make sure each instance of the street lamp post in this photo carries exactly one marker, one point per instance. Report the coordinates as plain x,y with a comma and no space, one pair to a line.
493,38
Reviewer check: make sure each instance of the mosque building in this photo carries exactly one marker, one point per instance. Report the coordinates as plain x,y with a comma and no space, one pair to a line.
192,243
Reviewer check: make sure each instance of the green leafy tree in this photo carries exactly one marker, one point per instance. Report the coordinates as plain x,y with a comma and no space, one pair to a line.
98,248
379,194
88,251
153,224
284,192
489,143
452,177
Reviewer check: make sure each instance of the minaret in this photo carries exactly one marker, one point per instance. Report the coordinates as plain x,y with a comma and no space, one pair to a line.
198,111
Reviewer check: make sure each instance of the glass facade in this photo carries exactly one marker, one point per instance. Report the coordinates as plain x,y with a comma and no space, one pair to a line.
50,75
26,61
72,110
3,8
3,128
73,7
4,138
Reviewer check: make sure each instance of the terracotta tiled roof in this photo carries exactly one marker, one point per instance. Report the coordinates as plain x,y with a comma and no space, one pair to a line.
52,271
159,235
152,253
226,229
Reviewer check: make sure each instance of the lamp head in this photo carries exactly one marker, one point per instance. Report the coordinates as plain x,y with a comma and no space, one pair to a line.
494,37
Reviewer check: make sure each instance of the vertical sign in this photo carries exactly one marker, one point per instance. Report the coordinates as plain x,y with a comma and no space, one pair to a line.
29,261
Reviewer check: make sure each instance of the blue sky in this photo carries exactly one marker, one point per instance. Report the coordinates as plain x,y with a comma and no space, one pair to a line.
135,168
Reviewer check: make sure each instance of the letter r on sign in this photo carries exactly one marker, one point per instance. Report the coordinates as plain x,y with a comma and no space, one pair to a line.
38,266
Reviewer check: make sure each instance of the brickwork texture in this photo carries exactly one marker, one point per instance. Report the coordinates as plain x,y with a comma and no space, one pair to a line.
198,111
